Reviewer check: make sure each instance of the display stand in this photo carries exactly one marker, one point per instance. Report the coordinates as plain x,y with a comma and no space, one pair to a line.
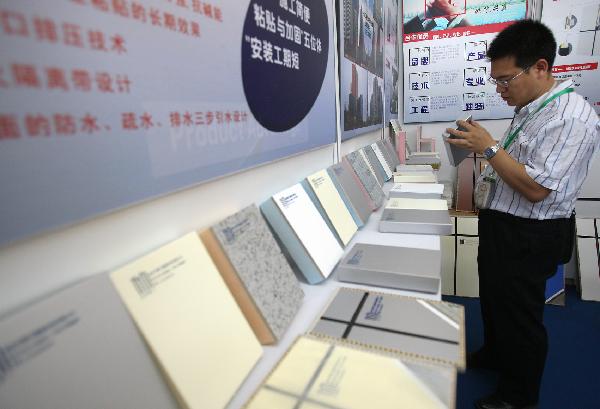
317,296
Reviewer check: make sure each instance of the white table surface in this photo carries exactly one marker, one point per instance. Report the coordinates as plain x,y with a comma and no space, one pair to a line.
317,296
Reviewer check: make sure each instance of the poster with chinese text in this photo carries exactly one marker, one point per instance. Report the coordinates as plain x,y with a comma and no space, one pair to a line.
361,66
108,103
445,66
576,28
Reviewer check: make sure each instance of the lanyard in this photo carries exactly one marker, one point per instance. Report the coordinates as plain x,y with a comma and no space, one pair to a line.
512,136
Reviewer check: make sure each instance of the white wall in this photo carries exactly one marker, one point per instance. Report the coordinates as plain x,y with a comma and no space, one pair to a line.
34,267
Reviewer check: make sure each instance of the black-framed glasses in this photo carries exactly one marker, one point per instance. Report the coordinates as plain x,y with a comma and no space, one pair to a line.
505,83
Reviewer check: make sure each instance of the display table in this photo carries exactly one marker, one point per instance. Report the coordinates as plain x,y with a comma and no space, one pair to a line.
317,296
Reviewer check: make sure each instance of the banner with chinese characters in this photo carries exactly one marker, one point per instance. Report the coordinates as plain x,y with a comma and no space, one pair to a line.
361,66
576,27
445,67
391,67
107,103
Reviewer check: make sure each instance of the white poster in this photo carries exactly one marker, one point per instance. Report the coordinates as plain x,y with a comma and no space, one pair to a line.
575,26
361,66
445,67
391,68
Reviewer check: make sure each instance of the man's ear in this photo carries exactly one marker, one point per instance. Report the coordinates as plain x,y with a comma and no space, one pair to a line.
542,66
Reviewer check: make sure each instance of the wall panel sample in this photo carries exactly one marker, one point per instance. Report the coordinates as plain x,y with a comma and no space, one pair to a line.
375,164
353,192
256,272
432,330
445,66
305,236
319,373
91,122
78,348
367,177
190,321
322,190
385,162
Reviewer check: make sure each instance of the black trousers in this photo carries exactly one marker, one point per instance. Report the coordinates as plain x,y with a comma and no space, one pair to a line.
515,258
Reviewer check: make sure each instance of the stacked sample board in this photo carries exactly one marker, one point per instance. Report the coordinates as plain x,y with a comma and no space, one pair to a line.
391,266
420,216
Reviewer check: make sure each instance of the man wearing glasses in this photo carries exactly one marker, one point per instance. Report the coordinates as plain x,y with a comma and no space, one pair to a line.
526,199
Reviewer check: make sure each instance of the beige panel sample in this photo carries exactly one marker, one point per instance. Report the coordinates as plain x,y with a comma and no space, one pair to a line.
417,204
415,177
334,206
190,321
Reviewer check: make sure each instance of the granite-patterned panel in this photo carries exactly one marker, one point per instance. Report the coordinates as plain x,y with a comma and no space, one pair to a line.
261,266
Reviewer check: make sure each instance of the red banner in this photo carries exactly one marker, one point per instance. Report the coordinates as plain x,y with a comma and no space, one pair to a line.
455,32
575,67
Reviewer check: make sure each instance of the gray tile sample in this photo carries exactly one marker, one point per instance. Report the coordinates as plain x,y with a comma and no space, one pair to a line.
395,161
432,330
416,221
368,179
261,266
78,348
375,164
390,266
389,160
351,190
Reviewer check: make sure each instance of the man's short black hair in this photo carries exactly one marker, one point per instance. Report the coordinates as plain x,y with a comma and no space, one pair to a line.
527,41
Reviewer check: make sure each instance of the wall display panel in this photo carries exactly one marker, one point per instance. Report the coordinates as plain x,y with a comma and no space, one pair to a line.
576,29
445,68
391,67
362,41
106,104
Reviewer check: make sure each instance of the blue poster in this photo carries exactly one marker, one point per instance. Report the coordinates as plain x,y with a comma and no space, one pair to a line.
104,104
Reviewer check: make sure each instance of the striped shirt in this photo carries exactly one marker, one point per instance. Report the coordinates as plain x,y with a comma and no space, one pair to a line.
556,145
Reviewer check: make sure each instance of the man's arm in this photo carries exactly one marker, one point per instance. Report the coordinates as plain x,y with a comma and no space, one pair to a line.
513,173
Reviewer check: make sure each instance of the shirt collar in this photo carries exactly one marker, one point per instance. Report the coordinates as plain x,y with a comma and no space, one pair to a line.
532,106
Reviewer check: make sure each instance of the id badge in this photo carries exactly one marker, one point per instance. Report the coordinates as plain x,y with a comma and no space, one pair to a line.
485,188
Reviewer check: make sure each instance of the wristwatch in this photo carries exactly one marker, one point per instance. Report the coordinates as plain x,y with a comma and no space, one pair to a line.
489,153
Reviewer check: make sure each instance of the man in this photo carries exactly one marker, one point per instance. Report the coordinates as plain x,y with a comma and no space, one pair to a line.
528,196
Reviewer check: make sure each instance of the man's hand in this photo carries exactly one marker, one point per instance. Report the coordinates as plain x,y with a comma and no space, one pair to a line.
476,138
